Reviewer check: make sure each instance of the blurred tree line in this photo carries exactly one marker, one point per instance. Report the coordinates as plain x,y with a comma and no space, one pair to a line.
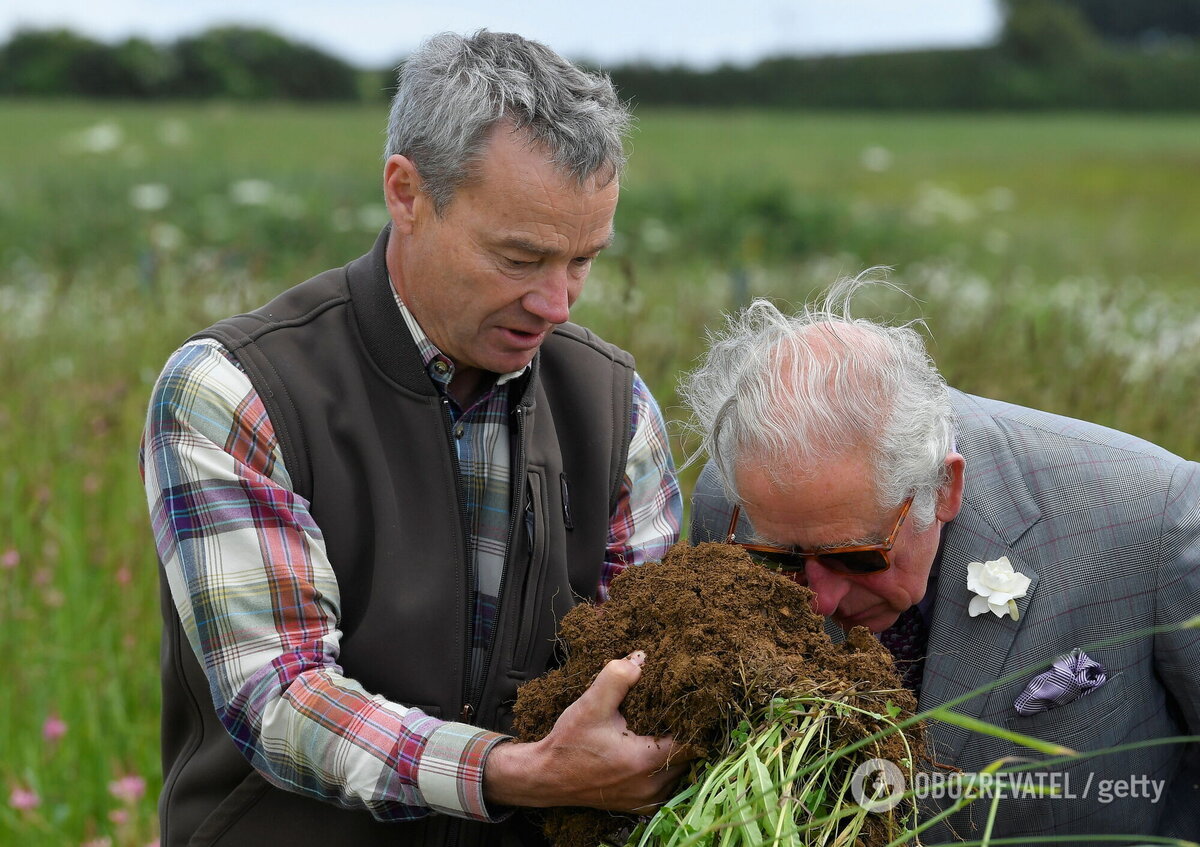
1146,21
1097,54
1091,54
235,62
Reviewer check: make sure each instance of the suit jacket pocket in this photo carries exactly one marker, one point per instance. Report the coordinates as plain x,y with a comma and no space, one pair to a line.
1096,718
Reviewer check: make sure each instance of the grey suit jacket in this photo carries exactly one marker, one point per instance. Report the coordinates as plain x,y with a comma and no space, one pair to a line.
1107,527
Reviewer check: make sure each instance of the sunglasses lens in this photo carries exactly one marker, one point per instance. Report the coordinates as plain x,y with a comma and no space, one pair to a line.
857,562
777,561
852,562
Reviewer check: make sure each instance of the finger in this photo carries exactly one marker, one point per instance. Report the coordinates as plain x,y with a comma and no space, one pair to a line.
674,772
666,782
611,685
683,753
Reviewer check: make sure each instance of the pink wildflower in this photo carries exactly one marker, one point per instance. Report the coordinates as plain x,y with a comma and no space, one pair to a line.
119,816
54,727
10,558
24,799
128,789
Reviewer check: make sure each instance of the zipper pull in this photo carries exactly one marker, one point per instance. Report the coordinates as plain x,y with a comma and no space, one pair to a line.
467,713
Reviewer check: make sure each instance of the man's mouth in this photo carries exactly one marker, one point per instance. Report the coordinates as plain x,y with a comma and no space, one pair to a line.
525,338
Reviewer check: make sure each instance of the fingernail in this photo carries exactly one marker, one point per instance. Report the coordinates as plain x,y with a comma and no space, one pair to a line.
638,657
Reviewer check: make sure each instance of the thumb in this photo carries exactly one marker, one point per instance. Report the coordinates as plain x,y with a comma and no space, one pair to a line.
611,685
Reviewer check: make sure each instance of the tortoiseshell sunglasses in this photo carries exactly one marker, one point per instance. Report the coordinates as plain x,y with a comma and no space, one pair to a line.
856,559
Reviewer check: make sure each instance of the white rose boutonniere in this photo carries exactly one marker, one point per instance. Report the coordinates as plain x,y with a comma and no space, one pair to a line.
997,587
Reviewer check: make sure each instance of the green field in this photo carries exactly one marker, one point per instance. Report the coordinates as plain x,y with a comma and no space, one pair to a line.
1052,257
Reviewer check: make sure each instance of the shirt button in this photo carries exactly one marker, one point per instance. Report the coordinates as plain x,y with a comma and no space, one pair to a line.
459,430
441,368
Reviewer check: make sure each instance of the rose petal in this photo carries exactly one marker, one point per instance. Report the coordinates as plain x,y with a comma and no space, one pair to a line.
973,577
1023,583
978,606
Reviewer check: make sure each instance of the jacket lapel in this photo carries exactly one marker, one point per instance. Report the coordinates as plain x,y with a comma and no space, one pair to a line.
965,653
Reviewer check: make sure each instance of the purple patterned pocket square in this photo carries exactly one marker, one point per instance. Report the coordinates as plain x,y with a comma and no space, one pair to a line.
1071,676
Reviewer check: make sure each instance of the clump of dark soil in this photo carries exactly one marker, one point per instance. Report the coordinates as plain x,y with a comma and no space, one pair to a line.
722,636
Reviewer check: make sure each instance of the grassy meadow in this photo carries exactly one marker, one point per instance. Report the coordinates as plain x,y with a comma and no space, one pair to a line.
1052,257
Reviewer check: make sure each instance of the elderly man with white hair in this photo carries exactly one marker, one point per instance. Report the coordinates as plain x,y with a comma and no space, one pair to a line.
977,538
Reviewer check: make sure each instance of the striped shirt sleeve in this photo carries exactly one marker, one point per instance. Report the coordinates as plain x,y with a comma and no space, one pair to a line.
649,510
259,602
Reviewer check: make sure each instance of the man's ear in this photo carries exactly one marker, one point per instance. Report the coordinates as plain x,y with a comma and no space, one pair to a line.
401,191
949,498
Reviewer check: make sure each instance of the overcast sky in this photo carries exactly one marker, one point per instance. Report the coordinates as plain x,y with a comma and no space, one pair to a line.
374,33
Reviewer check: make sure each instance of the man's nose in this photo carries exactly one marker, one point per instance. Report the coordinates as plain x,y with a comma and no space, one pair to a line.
551,300
830,586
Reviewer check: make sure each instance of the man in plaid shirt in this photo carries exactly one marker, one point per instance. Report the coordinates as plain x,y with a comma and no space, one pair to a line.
373,498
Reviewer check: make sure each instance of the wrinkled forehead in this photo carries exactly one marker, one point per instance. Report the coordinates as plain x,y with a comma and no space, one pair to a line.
844,481
835,508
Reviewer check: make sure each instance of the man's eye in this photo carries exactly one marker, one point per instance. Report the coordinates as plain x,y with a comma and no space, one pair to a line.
518,263
582,260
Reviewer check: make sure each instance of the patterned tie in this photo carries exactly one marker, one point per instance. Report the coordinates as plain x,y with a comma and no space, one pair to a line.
906,640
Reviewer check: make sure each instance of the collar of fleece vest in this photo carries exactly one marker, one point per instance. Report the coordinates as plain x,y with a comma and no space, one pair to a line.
382,326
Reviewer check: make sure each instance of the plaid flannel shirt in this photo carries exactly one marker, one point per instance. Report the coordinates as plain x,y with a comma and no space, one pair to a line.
259,601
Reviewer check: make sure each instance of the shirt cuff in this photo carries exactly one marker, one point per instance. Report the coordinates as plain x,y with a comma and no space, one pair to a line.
450,772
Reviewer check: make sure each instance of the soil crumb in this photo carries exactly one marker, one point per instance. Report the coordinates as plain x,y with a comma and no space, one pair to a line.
722,636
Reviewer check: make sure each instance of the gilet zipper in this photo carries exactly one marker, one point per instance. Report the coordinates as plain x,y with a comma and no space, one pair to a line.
473,694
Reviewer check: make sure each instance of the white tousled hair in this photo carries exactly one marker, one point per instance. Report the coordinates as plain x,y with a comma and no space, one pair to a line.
453,91
789,392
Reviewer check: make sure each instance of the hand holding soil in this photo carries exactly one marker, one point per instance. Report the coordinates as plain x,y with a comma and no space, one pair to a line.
589,758
724,636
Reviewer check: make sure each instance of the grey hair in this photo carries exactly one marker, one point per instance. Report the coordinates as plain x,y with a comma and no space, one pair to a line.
453,91
789,392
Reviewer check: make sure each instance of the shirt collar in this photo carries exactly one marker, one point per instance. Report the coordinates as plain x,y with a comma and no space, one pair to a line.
438,364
